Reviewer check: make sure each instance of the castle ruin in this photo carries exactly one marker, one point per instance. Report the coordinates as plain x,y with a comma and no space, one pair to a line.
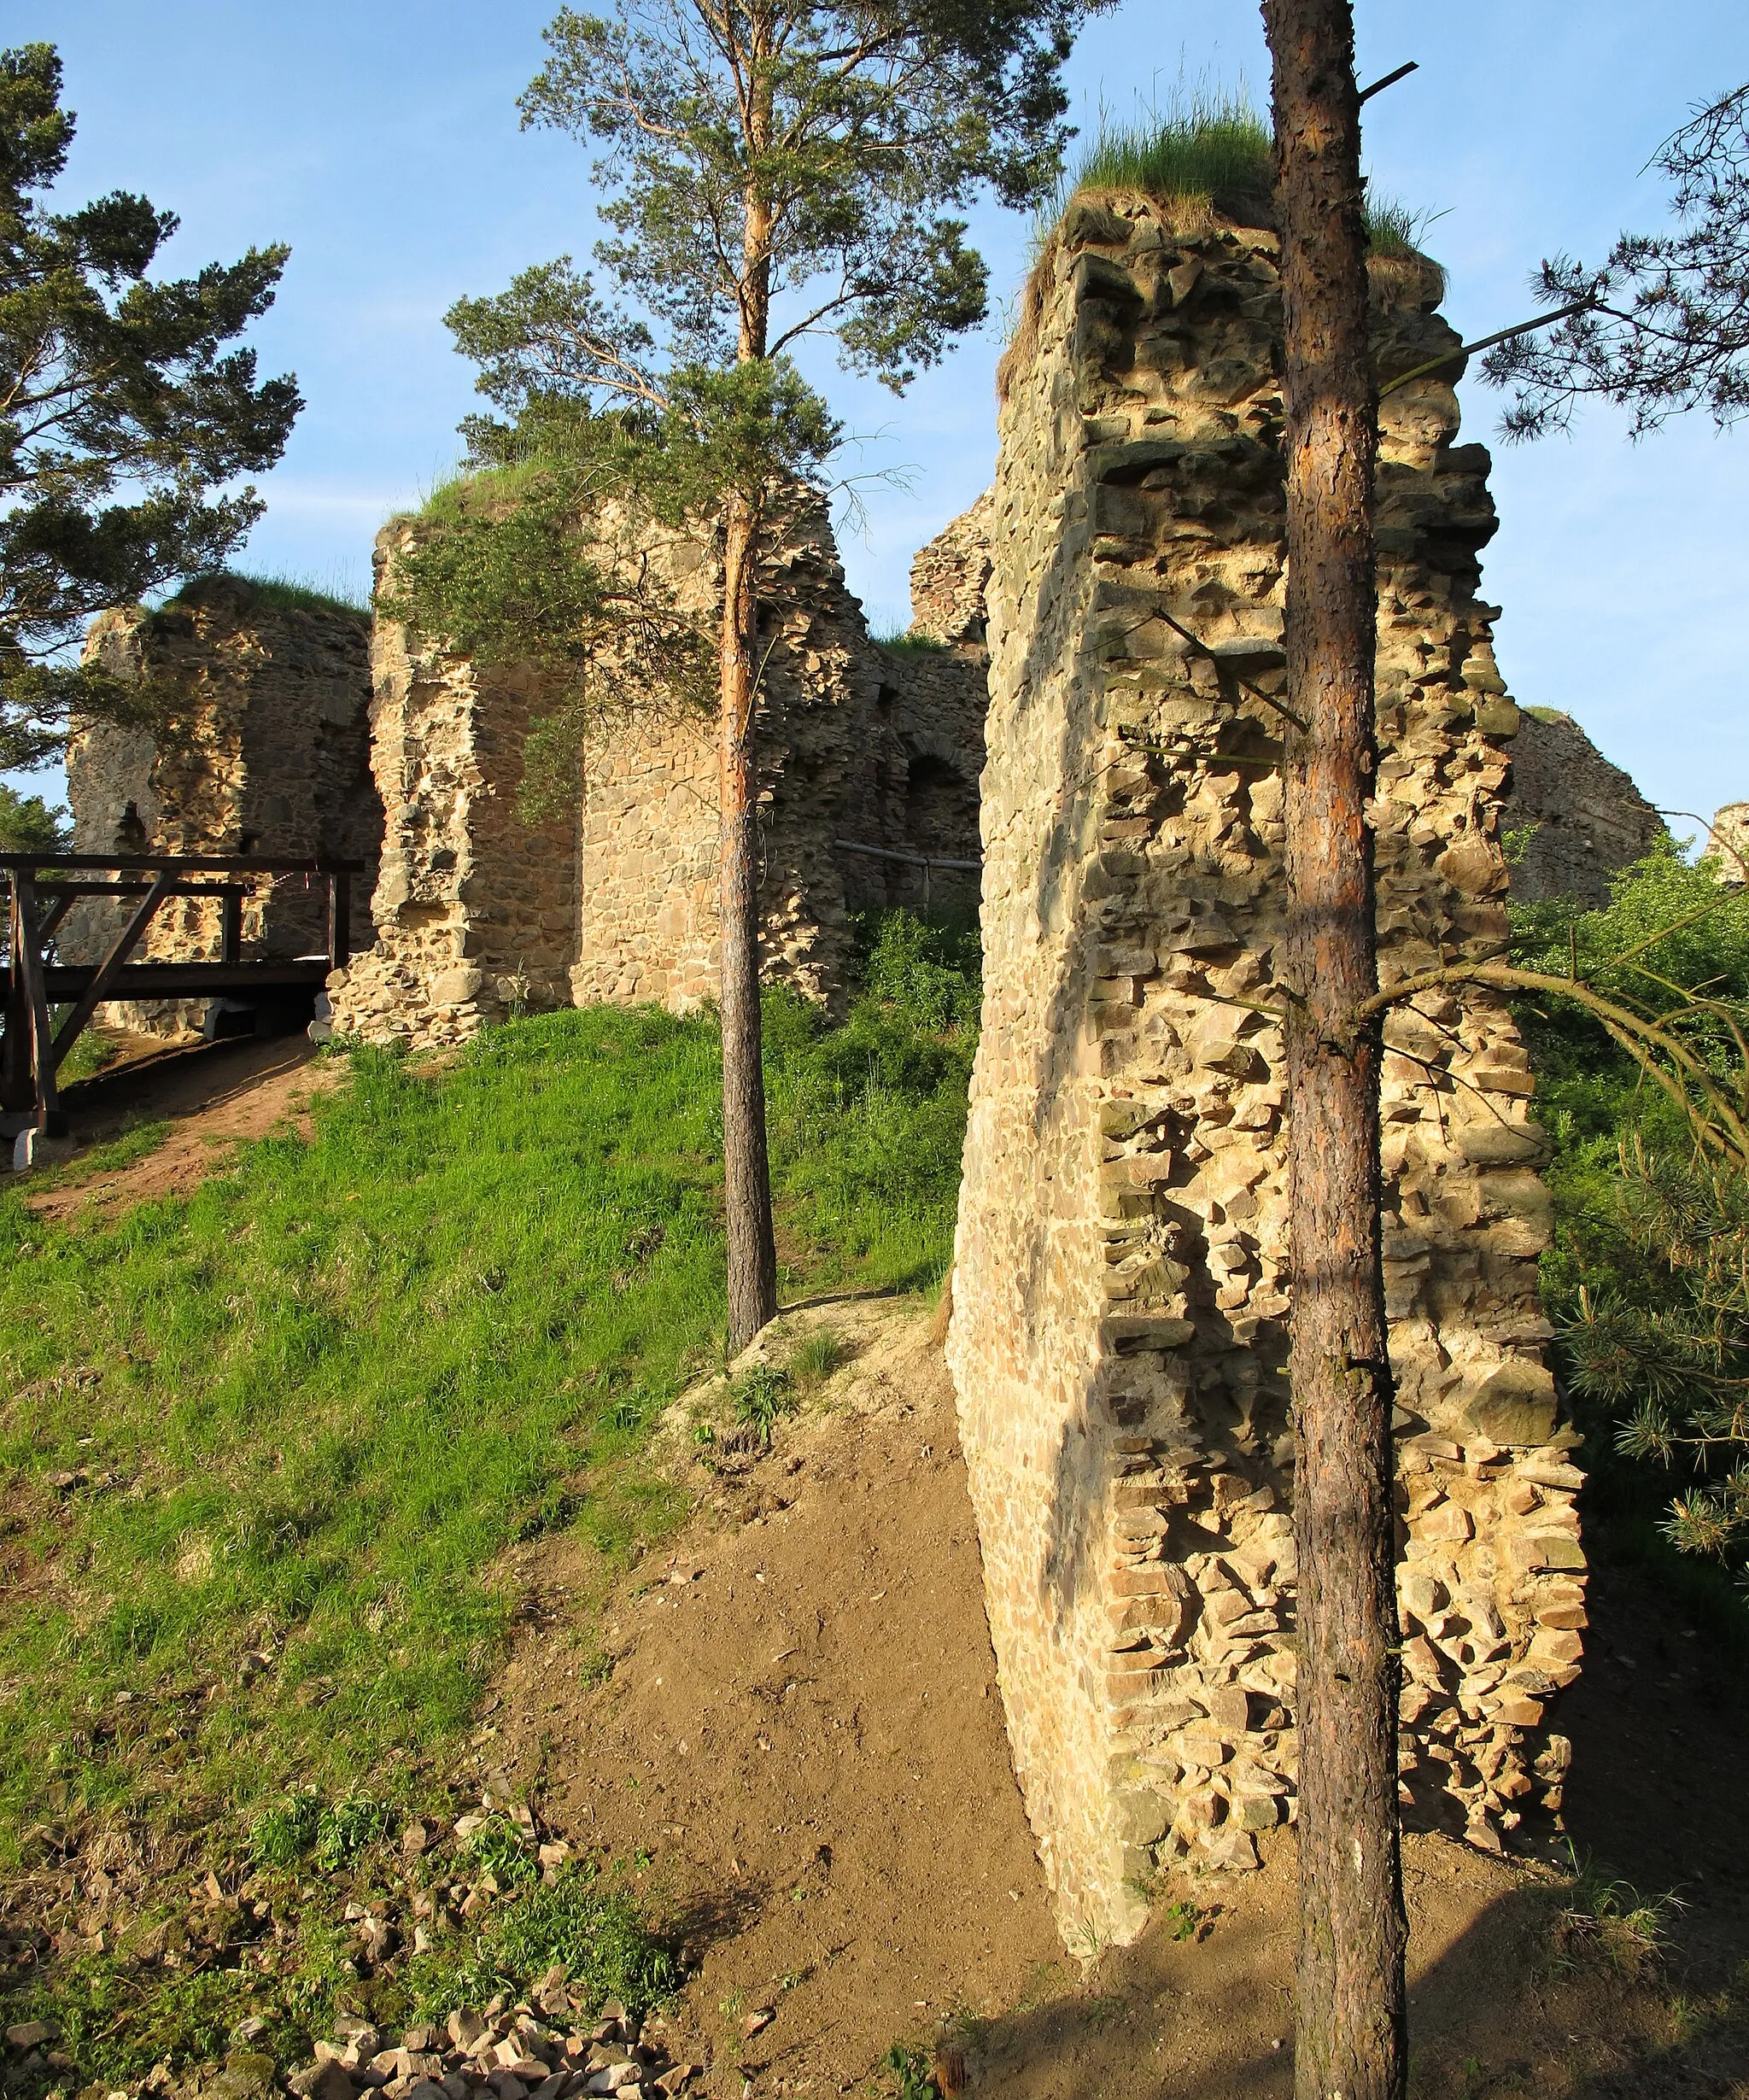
868,760
265,747
1118,1340
1108,619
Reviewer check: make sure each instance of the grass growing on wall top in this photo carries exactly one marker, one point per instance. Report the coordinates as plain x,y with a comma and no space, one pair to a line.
307,1408
1203,147
1208,148
291,593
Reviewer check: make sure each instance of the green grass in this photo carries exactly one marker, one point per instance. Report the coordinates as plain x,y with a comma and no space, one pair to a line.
1205,146
902,641
293,593
1209,149
312,1404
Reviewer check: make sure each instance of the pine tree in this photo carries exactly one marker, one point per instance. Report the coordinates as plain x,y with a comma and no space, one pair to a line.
1348,1997
119,416
771,171
1664,325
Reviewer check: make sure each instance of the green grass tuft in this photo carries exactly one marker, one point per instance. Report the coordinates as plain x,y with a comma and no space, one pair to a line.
814,1359
1210,149
585,1923
291,594
1205,146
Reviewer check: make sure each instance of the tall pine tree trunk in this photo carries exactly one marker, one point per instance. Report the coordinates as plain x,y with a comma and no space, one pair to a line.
1351,2037
752,1255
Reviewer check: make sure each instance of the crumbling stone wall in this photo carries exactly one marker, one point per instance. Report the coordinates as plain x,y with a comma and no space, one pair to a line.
1585,818
478,913
267,751
921,754
650,920
474,909
1118,1341
951,579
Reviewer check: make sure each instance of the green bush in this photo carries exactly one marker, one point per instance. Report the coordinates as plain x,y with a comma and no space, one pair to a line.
1644,1279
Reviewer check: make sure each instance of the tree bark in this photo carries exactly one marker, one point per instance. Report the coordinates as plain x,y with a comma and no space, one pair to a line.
1351,2032
746,1168
752,1254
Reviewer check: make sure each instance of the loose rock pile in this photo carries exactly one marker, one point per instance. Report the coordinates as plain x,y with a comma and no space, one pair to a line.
509,2051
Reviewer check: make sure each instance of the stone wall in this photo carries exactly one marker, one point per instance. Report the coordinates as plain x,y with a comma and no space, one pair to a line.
1118,1340
951,579
266,750
1585,818
474,909
478,913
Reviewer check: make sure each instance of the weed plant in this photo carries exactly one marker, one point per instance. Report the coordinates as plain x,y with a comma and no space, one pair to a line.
304,1411
759,1397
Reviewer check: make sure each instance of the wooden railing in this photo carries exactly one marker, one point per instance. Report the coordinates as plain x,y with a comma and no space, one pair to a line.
45,887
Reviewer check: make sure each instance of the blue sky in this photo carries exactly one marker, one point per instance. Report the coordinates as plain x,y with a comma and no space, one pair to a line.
380,138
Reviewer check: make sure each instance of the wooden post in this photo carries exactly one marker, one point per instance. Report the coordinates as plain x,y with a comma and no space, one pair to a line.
15,1050
28,963
339,919
109,970
230,925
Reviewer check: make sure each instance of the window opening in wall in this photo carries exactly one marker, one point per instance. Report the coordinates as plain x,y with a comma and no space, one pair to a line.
130,834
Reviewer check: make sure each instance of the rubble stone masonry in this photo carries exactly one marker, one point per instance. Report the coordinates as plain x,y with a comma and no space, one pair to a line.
1118,1341
479,914
1573,819
267,751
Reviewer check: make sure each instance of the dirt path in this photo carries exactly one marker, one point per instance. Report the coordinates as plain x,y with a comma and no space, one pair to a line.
213,1096
801,1733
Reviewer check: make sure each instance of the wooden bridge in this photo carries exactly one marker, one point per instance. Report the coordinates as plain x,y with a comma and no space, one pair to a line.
33,984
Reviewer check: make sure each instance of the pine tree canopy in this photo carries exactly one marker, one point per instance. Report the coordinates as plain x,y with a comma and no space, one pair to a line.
1667,327
774,169
120,414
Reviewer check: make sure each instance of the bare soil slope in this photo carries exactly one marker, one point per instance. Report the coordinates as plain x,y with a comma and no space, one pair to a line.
213,1094
800,1733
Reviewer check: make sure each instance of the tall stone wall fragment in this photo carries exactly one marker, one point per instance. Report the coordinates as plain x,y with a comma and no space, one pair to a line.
1119,1342
266,750
1574,819
920,754
475,909
951,579
650,919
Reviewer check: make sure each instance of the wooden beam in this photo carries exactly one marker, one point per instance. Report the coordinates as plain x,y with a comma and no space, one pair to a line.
28,960
339,919
15,1091
194,863
109,970
67,981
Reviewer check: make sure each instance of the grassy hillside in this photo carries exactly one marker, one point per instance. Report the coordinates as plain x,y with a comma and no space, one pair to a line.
264,1446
